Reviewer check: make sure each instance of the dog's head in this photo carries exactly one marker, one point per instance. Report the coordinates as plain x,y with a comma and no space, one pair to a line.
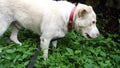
85,21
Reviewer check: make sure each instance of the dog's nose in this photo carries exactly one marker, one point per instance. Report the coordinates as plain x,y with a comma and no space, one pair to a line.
98,34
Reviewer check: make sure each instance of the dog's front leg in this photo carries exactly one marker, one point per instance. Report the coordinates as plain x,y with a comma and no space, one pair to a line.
45,46
14,34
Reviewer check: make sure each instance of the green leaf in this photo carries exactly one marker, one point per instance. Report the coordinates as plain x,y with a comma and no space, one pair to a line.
16,58
77,52
89,65
0,50
108,62
26,63
24,56
70,51
119,21
102,53
10,50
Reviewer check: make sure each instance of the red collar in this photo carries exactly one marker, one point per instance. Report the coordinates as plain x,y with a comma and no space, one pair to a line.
71,19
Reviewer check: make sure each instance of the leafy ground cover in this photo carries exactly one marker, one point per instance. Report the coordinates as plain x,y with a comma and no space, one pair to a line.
73,51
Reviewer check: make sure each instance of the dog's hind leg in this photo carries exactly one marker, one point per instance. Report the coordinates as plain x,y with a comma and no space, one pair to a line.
54,43
3,26
14,34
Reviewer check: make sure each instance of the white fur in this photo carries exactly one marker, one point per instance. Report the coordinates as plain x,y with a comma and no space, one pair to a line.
47,18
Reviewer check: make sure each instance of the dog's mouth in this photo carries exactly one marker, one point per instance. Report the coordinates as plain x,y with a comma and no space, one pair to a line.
86,35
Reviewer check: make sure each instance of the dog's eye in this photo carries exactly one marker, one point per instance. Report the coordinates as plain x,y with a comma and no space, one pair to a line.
93,22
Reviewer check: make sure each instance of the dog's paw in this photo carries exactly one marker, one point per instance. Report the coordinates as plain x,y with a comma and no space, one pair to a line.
20,44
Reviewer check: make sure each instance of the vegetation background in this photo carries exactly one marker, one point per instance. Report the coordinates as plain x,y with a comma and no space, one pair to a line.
73,51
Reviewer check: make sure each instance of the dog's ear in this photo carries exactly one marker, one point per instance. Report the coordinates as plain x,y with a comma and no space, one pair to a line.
89,9
83,11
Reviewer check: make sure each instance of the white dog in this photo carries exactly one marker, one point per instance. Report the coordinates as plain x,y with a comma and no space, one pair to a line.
50,19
